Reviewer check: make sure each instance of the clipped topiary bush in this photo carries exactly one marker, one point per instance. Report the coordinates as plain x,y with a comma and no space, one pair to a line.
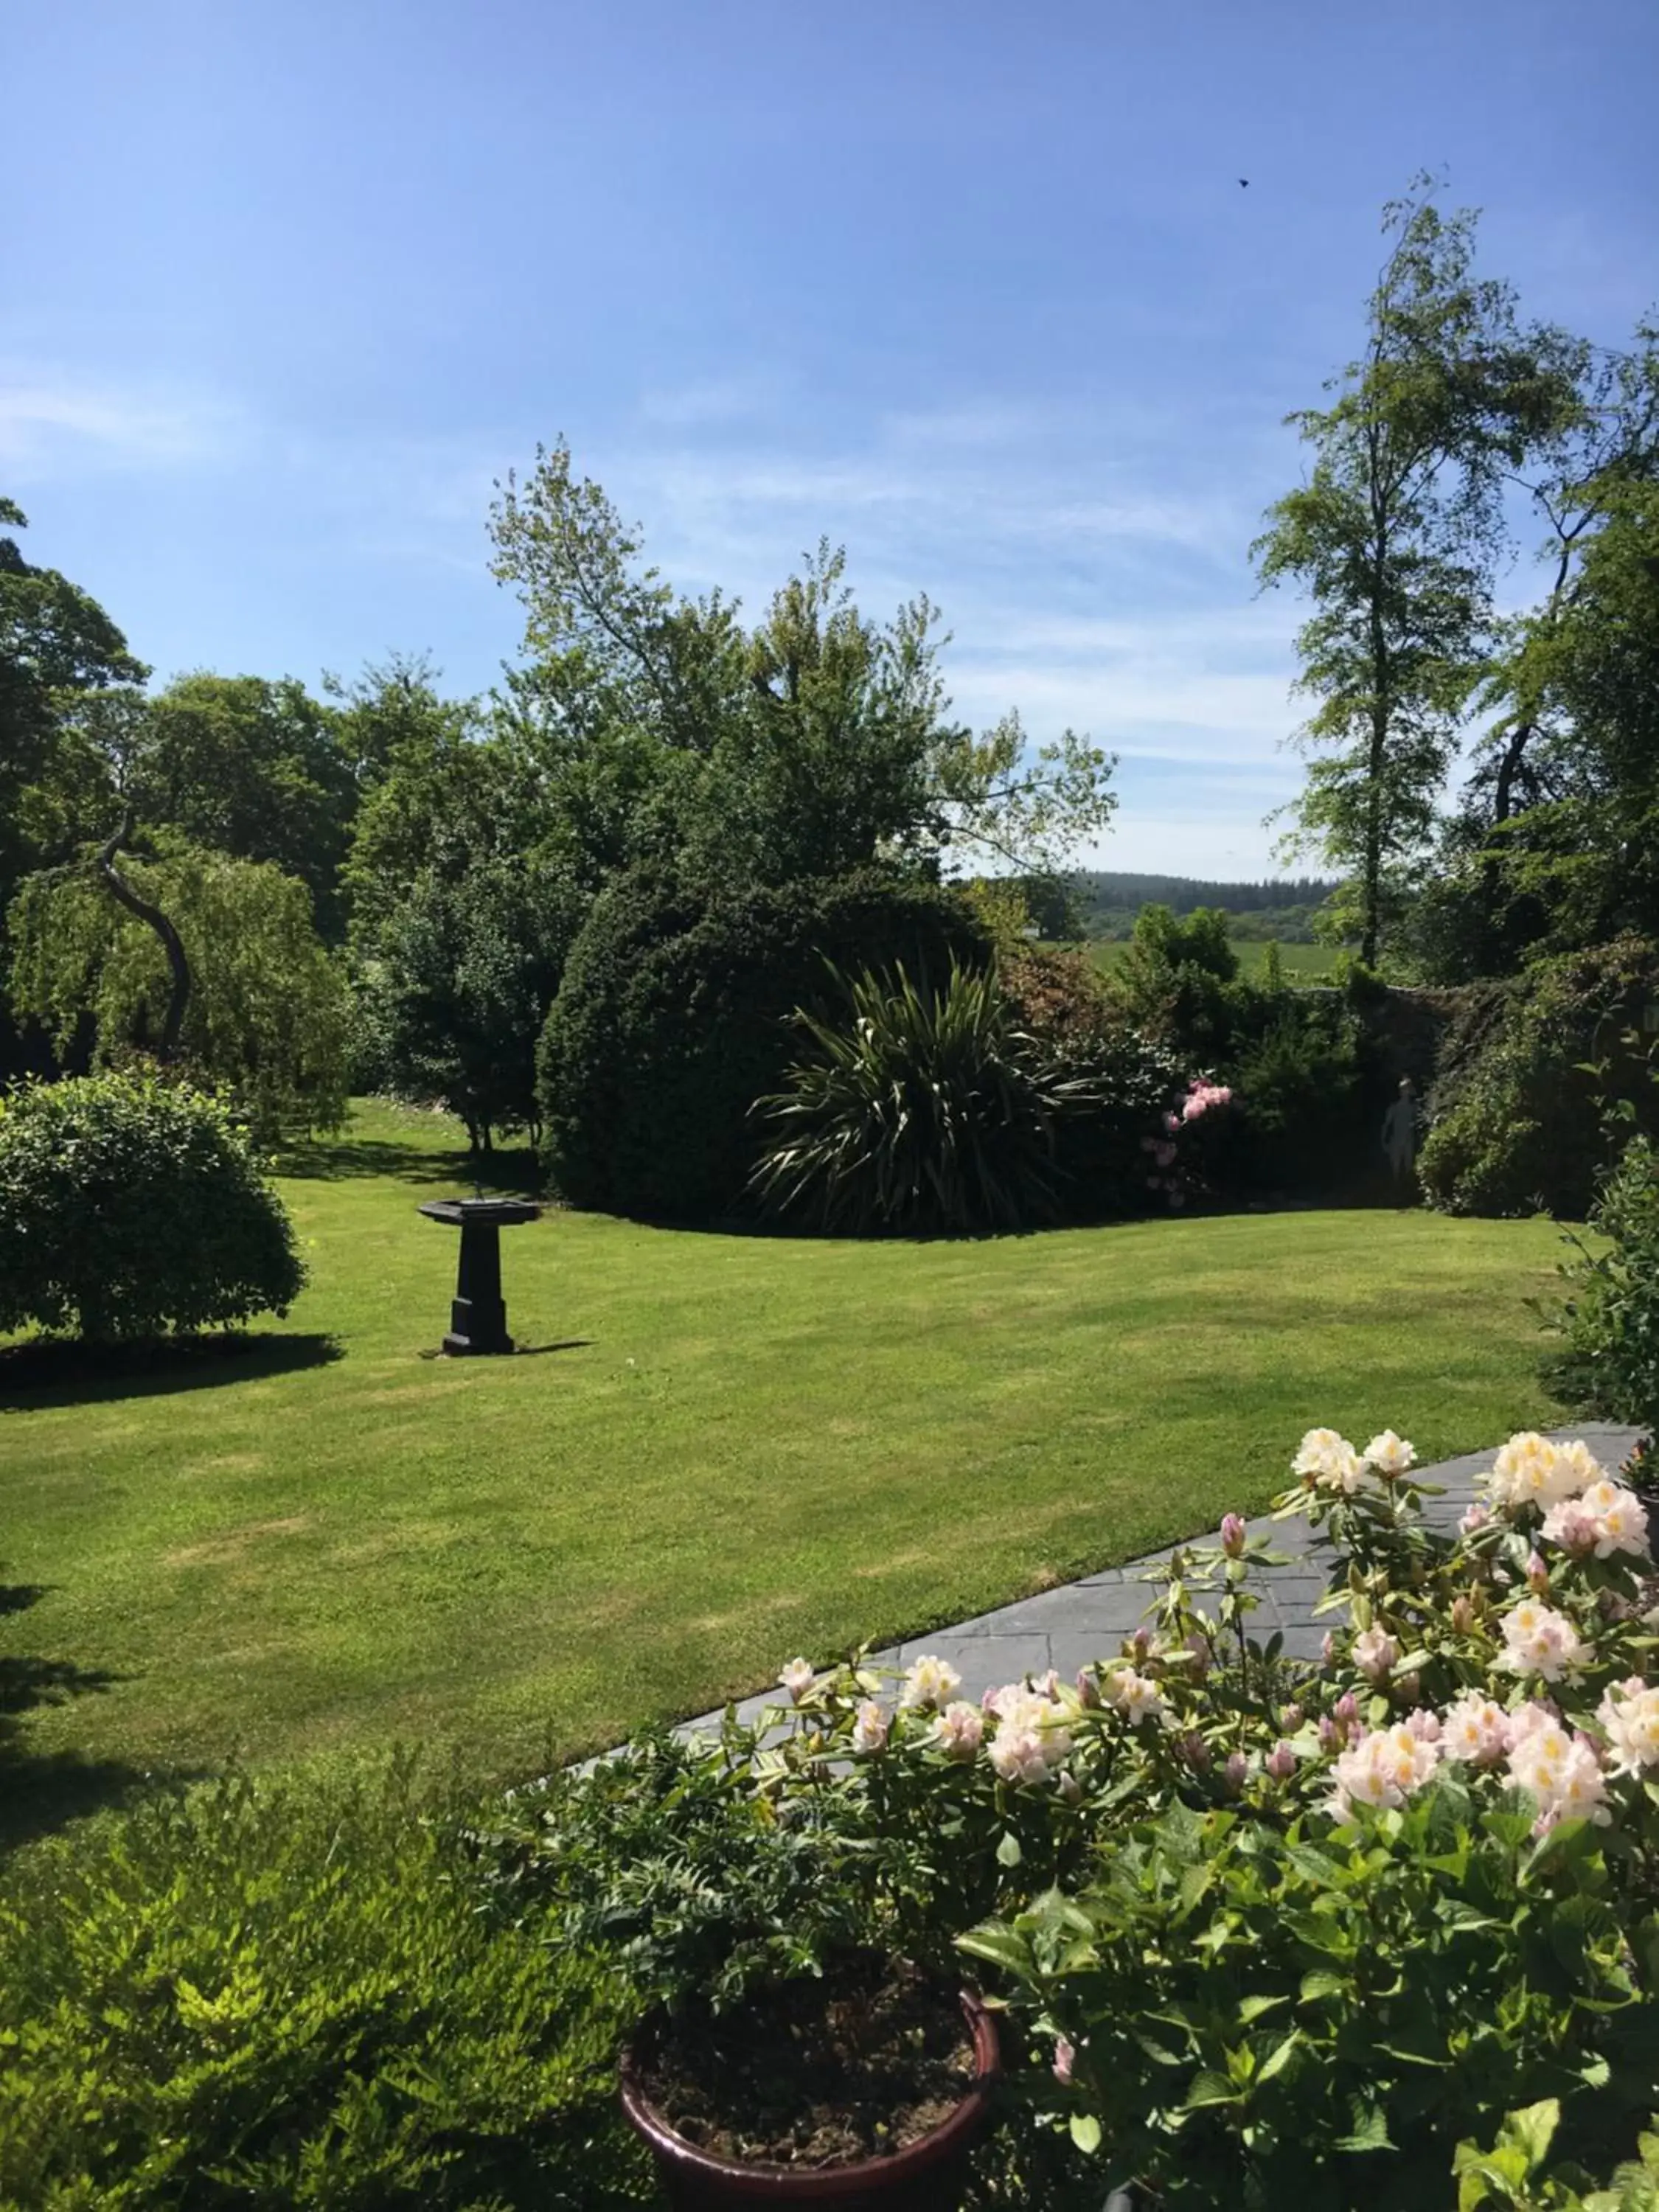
130,1205
673,1017
1517,1122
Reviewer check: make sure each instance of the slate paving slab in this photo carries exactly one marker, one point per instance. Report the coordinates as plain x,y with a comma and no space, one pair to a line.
1088,1620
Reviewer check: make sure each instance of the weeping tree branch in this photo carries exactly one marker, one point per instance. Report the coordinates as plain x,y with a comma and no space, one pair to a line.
153,917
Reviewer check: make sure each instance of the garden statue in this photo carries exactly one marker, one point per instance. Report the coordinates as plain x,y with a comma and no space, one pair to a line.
1400,1131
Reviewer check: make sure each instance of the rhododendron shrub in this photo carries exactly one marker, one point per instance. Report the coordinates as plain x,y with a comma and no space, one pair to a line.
1275,1927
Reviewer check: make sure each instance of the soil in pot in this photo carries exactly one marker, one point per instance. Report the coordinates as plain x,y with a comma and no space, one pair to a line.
815,2072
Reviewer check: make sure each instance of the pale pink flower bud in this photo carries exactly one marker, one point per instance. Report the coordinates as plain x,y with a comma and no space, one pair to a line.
959,1730
1199,1647
1474,1517
1235,1771
1065,2058
1291,1718
1088,1688
1408,1689
1374,1652
1197,1753
1328,1650
1347,1710
1233,1535
1332,1736
1538,1574
1281,1761
1462,1615
1071,1788
1141,1643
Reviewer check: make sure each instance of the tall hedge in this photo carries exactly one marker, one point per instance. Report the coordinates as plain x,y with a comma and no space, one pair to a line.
1518,1121
672,1018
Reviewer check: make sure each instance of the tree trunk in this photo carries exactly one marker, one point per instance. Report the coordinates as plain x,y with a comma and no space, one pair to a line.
168,1049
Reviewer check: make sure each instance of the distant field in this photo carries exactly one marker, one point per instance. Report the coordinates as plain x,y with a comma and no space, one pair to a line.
1307,963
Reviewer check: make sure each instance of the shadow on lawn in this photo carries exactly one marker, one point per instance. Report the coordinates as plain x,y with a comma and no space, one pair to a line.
64,1371
39,1790
517,1171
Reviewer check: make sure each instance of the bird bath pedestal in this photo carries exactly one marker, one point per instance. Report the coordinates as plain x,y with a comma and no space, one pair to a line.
478,1319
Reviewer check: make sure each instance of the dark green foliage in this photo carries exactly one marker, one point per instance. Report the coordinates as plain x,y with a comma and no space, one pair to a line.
463,975
130,1205
919,1110
672,1019
1174,982
1305,1123
281,1996
1516,1123
1608,1365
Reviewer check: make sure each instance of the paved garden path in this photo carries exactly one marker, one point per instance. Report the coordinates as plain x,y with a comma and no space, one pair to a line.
1067,1628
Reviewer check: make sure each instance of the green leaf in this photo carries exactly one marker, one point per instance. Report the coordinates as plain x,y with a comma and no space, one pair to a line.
1212,2089
1252,2008
1280,2058
1320,1985
1009,1853
1085,2132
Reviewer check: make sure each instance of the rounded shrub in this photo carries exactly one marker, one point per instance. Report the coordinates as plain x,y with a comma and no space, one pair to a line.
1517,1111
673,1017
130,1205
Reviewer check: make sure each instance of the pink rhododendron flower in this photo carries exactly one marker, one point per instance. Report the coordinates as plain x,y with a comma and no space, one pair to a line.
1474,1517
1233,1535
1382,1768
1374,1652
1281,1761
870,1726
929,1682
1475,1731
1235,1771
1424,1724
1560,1770
1539,1640
1065,2058
796,1678
959,1730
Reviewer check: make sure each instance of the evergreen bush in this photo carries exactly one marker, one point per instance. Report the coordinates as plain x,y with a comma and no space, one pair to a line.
130,1205
673,1017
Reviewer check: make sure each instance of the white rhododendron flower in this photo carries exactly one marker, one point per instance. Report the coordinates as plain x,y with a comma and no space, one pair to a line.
1620,1518
1329,1460
1558,1769
1532,1471
1032,1735
1474,1517
1629,1715
930,1681
1390,1456
1572,1524
1137,1696
1539,1640
870,1726
959,1730
1374,1651
1475,1731
796,1678
1382,1769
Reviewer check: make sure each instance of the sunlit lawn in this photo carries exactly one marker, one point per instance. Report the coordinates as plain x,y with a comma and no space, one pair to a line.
1301,963
727,1450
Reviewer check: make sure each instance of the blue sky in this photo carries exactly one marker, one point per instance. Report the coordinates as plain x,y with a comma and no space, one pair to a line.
973,288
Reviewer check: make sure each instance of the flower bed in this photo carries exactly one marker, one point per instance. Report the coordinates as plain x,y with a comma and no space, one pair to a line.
1272,1928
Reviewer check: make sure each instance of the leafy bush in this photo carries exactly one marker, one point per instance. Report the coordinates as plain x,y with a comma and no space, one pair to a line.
918,1112
1516,1124
672,1018
1176,979
289,1997
130,1205
1302,1093
1608,1365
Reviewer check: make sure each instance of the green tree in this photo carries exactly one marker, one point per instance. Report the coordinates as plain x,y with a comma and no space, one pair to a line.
817,741
1395,535
267,1018
464,970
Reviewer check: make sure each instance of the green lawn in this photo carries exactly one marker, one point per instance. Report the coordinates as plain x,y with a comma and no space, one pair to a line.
1302,963
727,1450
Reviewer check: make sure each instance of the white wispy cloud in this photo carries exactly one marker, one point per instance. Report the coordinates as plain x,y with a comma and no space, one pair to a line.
56,423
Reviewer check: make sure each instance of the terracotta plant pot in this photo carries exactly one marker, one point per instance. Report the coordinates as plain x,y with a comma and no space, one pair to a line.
932,2172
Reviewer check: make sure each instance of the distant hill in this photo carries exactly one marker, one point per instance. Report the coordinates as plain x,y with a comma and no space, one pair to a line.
1108,900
